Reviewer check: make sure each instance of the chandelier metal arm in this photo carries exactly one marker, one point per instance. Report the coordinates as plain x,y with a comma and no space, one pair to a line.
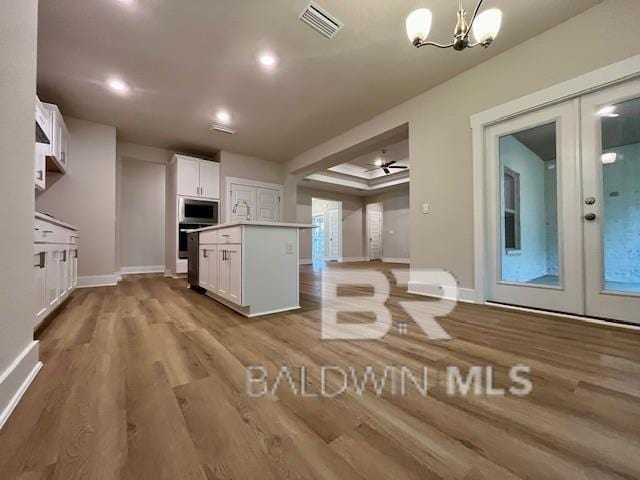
473,19
432,44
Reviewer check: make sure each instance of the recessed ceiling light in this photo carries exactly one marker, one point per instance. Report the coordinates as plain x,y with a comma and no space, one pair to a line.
268,60
118,86
223,117
608,111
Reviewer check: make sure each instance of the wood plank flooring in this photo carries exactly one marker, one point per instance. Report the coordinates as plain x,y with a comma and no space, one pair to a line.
147,380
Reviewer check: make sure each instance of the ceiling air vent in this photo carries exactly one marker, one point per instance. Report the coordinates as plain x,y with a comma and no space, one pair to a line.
223,129
321,21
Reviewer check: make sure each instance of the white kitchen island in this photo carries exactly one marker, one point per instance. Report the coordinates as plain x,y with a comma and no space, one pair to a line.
251,267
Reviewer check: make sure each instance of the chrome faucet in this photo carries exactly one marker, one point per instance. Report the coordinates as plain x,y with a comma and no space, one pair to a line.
245,204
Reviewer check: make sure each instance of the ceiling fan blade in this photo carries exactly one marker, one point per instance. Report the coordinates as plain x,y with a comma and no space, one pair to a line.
372,165
386,170
399,166
391,163
372,170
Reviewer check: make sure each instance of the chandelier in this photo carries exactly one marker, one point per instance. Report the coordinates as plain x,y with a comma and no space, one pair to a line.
485,27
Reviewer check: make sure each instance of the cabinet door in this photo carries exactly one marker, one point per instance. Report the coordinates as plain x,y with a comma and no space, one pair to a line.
74,269
223,272
234,262
203,273
213,269
52,268
63,273
40,281
268,205
40,165
210,180
64,145
188,177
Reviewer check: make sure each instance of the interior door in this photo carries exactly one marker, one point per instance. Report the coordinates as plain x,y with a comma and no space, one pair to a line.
334,234
375,234
210,180
533,204
611,177
268,205
188,177
243,202
318,238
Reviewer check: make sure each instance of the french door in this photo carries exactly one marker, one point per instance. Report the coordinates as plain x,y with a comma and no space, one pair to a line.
563,207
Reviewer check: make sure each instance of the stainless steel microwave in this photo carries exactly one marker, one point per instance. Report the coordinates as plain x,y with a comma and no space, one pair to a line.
203,212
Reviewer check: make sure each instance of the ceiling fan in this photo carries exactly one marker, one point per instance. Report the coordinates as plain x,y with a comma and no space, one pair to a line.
381,163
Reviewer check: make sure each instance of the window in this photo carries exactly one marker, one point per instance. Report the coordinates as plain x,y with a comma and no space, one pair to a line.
511,210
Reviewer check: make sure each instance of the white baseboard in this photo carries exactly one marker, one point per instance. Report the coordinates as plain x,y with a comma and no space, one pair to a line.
352,259
306,261
99,281
139,270
466,295
15,380
396,260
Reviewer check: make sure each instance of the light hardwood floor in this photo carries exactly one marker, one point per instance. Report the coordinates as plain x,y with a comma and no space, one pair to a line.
147,380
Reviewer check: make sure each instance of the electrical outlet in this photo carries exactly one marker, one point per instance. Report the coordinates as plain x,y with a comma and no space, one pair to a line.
426,208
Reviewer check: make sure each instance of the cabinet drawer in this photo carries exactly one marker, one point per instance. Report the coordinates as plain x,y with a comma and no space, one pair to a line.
45,232
73,238
209,238
230,235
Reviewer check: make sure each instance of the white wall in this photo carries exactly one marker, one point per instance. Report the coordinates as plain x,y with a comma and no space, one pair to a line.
18,351
395,222
86,197
439,130
141,207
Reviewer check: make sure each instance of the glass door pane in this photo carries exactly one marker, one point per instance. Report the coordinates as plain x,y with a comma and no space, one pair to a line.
529,206
620,157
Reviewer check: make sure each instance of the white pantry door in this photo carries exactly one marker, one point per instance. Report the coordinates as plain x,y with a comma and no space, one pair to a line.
268,205
243,202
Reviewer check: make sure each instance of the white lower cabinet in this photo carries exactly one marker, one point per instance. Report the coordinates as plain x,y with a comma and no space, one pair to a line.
55,264
221,270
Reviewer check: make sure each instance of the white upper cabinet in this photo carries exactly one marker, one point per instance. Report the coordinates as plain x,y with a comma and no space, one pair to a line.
198,178
210,180
57,156
188,177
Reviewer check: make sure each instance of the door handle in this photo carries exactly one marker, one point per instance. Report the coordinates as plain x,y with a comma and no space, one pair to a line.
590,217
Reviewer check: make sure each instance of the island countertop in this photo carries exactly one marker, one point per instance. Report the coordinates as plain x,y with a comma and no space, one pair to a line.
250,223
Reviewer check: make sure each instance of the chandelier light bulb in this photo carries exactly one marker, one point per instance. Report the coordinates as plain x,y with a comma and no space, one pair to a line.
419,25
487,25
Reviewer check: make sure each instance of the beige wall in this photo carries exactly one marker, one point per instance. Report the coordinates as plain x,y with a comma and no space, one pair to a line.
18,23
440,135
395,222
352,221
141,205
249,168
86,195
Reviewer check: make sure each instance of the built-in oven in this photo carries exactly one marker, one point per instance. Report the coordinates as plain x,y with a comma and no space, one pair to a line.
203,212
183,237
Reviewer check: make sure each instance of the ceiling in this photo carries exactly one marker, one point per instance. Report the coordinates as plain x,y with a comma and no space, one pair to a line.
186,59
364,165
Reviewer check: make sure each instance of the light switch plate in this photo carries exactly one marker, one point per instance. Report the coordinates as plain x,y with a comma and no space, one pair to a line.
426,208
289,248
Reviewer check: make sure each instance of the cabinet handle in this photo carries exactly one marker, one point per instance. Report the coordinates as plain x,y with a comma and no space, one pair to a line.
204,254
39,176
45,232
41,260
64,255
76,253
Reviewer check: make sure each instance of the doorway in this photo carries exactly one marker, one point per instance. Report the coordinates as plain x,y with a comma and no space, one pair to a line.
562,202
374,231
327,240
